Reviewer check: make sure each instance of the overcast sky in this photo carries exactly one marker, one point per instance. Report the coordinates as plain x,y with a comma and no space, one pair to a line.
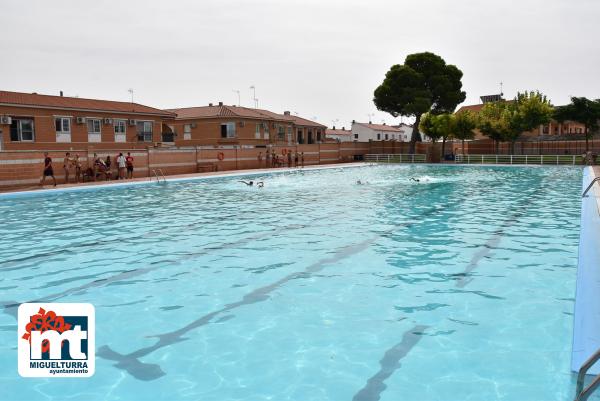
319,58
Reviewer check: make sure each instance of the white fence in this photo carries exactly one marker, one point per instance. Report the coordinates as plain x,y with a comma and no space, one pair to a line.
396,158
519,159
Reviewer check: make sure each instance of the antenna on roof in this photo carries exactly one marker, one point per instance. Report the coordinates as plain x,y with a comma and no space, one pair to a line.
254,96
130,90
370,115
501,92
239,98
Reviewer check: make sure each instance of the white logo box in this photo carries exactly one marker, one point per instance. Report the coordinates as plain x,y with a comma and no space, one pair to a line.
29,367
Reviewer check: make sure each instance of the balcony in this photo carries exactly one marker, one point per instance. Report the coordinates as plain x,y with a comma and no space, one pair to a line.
168,137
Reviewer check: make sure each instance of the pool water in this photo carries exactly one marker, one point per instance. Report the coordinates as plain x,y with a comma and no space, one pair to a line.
458,286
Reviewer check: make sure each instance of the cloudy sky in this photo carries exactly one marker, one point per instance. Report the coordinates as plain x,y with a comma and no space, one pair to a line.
319,58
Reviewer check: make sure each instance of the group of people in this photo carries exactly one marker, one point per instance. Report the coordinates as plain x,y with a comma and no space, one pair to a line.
288,157
99,168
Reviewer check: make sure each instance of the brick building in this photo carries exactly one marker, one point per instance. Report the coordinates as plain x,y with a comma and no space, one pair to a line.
221,125
30,121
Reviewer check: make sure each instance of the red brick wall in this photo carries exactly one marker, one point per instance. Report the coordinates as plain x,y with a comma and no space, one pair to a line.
45,132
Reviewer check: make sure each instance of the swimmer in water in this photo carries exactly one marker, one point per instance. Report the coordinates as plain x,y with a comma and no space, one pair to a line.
415,179
259,184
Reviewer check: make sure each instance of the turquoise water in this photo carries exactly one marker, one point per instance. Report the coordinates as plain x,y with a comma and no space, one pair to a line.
456,287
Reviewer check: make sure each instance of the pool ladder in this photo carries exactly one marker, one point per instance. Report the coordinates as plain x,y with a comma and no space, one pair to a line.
158,173
581,393
590,186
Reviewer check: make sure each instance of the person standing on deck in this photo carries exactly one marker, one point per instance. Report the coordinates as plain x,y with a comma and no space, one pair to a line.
122,166
260,157
48,170
302,158
296,158
289,157
67,162
95,165
77,164
129,164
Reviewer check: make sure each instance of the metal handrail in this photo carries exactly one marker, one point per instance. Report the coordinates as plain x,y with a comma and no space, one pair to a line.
516,159
582,394
158,172
590,187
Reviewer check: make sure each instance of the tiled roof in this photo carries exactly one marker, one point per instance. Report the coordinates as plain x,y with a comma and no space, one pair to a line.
241,112
381,127
64,102
217,111
475,108
338,132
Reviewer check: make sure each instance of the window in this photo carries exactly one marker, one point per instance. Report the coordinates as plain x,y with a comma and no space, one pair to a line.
300,137
63,124
94,129
144,130
281,132
228,130
21,130
120,131
355,136
310,137
187,132
257,132
378,137
387,137
318,136
290,133
63,129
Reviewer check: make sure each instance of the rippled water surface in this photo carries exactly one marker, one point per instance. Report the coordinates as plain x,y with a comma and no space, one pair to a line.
457,287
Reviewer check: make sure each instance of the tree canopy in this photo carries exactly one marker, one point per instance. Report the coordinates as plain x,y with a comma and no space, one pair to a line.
424,83
465,123
507,120
582,110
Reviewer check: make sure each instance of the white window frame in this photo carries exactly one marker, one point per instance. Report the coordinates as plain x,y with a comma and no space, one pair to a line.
230,133
120,136
257,131
94,136
20,130
290,134
187,132
63,135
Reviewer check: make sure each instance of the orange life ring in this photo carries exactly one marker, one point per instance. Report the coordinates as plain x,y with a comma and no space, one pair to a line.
220,156
284,152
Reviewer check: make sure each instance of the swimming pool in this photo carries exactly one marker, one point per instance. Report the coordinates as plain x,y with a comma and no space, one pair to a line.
459,286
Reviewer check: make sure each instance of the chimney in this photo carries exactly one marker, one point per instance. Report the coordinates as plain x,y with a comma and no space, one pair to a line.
286,113
343,128
210,104
220,103
353,121
384,123
61,94
334,127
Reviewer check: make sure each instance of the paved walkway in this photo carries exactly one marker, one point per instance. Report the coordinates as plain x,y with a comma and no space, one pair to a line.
178,177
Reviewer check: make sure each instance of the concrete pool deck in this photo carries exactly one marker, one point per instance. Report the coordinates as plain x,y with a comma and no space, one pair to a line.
179,177
586,321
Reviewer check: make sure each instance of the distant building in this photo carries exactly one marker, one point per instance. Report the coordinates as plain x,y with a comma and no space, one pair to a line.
364,132
339,135
220,125
554,128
